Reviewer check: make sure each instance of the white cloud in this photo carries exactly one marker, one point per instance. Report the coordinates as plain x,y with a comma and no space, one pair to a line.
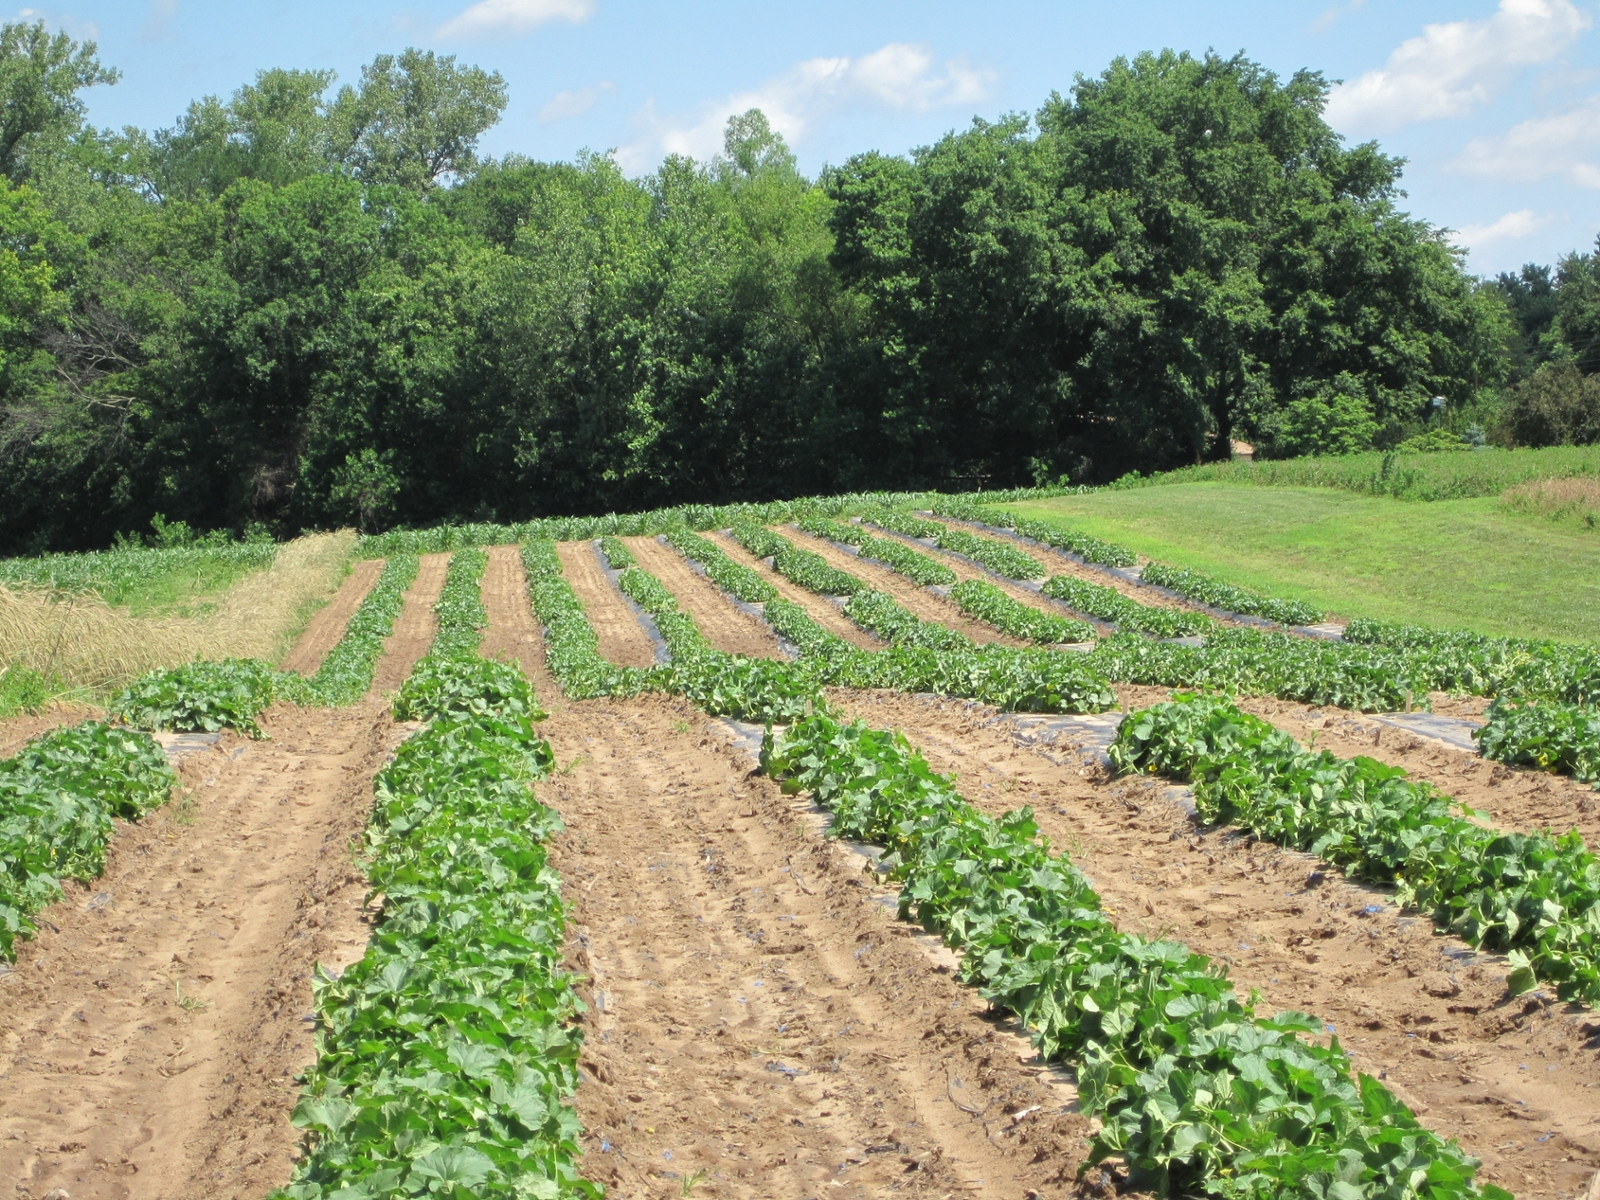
569,104
160,20
1330,15
1454,67
897,76
491,17
1556,145
1508,228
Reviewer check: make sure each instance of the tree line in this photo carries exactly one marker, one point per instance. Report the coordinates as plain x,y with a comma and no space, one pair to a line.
304,306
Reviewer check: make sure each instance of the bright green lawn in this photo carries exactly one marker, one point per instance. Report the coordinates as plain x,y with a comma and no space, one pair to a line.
1463,564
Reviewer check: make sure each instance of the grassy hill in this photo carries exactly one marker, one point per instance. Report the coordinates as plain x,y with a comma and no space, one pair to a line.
1464,563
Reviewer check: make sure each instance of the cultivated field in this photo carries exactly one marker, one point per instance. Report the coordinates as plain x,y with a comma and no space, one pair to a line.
861,847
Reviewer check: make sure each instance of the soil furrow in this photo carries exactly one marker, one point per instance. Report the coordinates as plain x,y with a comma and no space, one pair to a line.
513,631
724,626
16,732
922,603
150,1038
1514,1080
758,1026
623,640
328,625
414,628
822,610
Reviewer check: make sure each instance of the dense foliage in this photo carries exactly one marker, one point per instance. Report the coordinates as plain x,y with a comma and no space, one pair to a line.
372,324
207,696
1563,738
1215,593
57,799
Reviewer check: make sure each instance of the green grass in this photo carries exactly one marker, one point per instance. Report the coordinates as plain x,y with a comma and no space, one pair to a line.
1464,564
1439,476
148,582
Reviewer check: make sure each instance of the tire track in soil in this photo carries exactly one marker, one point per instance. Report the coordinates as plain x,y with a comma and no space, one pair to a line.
724,626
928,605
513,632
328,624
113,1083
622,640
414,628
756,1023
1497,1074
822,610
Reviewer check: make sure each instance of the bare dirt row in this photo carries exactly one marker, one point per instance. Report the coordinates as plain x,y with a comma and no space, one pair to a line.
327,626
622,639
151,1036
726,627
758,1026
414,628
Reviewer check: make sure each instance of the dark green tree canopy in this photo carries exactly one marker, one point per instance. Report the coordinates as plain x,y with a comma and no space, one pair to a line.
41,75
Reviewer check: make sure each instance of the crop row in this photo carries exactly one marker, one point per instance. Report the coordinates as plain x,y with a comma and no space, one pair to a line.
1562,738
1533,896
738,580
995,555
616,554
346,674
1203,589
1129,616
897,556
803,567
447,1056
1193,1091
572,651
57,800
1516,668
981,600
1085,546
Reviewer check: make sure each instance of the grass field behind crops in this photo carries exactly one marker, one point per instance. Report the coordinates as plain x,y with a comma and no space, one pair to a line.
1466,564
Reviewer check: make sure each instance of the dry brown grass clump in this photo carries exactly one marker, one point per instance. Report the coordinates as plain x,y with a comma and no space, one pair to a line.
84,643
1576,499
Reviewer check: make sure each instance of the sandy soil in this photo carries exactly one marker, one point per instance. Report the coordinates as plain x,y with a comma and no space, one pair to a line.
622,640
726,627
1513,1080
757,1024
930,606
414,628
513,633
327,626
823,611
150,1038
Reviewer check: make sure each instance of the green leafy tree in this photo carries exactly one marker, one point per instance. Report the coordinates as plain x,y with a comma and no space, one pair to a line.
415,119
40,109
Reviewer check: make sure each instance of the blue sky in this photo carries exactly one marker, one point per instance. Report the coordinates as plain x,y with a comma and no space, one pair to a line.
1496,105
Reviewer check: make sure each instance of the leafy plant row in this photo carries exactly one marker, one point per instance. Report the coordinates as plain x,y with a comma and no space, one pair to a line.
57,800
1084,545
1194,1091
1203,589
1534,896
572,651
738,580
618,555
1519,668
446,1056
346,674
897,556
997,556
810,571
980,599
1129,616
886,618
1563,738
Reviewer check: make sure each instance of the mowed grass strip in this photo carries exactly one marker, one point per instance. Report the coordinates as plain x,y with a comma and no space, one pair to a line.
1462,564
